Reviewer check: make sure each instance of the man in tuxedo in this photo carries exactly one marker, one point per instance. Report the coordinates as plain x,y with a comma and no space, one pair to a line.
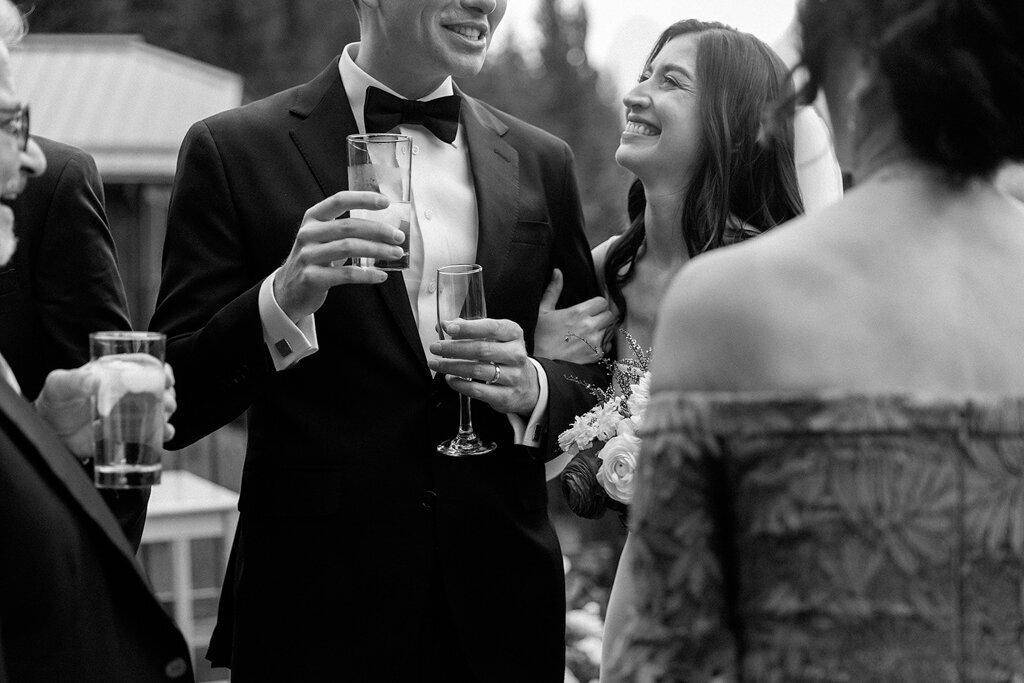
74,604
62,284
362,553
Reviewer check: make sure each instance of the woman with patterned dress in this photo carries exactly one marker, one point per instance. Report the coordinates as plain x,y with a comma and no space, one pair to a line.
831,486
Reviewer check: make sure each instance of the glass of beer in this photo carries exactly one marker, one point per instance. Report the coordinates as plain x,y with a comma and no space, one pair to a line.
382,162
128,408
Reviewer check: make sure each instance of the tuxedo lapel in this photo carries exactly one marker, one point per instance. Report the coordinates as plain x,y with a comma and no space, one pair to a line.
495,166
56,460
324,120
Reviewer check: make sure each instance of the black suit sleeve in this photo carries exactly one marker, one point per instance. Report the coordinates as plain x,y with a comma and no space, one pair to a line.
208,303
567,398
79,286
70,286
3,666
74,286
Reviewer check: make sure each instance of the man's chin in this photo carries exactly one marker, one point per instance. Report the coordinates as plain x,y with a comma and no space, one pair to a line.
466,66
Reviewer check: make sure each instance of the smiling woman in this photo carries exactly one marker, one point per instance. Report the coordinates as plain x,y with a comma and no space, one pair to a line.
708,175
661,140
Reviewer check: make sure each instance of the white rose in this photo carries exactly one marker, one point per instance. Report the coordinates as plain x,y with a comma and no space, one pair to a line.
618,466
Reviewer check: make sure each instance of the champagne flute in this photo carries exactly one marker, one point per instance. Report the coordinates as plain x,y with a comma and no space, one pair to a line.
460,294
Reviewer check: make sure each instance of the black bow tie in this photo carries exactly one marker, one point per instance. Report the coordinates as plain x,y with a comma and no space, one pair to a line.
383,112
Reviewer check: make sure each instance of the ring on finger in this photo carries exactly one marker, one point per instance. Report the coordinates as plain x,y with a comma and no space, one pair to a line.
497,374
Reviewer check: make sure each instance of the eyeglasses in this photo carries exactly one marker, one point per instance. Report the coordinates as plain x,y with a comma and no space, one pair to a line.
14,121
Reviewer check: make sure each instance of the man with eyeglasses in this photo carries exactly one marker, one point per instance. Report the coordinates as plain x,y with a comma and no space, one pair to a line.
14,122
20,157
74,604
62,283
66,269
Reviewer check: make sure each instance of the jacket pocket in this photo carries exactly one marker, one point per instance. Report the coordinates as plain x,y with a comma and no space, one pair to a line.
537,233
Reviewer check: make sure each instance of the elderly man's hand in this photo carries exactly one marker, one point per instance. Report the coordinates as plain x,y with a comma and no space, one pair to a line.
66,404
486,359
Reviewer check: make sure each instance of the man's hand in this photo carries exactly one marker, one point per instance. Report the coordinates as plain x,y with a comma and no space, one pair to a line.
573,333
66,404
493,353
323,239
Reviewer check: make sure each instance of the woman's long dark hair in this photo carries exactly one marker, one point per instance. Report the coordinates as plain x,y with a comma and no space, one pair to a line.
745,180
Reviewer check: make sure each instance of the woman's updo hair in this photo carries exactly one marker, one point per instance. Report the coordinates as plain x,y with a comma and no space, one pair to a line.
954,68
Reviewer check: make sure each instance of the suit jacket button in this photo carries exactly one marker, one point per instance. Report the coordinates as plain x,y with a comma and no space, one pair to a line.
428,500
176,668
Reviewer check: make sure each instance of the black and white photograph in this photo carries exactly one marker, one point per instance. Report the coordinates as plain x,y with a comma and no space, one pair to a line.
512,341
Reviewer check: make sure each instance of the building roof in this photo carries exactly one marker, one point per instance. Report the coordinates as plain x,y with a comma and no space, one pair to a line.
126,102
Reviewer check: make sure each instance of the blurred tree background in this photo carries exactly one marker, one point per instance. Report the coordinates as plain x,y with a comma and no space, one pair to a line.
275,44
554,86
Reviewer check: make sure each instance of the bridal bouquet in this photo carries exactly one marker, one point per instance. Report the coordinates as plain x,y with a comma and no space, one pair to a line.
604,442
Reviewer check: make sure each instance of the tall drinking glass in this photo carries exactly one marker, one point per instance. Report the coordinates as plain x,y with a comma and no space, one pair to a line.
128,407
460,294
382,162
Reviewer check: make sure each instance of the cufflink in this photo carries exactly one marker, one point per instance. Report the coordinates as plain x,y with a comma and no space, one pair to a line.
283,347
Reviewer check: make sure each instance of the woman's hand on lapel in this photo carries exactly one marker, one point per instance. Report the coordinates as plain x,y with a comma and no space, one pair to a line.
578,334
486,360
320,256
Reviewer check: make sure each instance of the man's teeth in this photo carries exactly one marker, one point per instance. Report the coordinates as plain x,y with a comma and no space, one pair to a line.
640,128
471,33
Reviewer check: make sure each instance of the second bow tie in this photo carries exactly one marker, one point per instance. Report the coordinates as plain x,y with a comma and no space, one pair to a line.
383,112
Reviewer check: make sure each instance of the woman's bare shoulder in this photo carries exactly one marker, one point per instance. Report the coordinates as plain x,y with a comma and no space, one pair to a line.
726,307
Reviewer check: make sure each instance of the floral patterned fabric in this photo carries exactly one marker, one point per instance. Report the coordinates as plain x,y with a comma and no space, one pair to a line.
830,538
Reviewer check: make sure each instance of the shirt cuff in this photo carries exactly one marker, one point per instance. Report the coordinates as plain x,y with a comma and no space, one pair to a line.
287,342
532,432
